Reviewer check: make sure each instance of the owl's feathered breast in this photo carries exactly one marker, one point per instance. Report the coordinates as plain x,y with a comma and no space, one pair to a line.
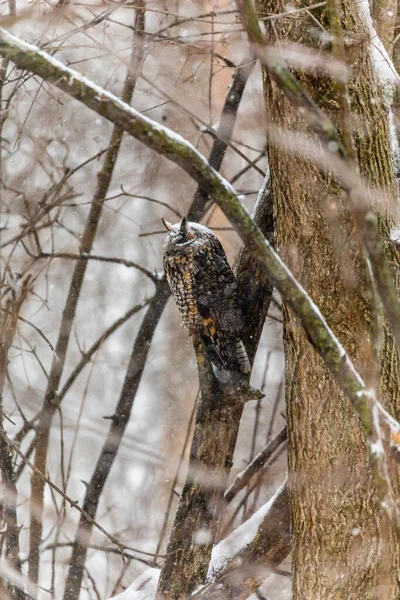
200,276
180,270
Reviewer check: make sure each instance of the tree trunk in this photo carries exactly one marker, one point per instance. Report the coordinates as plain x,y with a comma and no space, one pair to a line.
216,428
343,545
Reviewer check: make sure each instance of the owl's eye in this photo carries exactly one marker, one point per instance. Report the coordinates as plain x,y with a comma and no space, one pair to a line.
184,239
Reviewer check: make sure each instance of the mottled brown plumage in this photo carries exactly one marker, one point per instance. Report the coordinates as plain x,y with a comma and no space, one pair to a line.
205,290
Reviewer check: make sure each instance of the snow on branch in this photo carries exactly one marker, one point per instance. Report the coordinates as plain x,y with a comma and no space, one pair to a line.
241,561
259,544
383,64
174,147
143,587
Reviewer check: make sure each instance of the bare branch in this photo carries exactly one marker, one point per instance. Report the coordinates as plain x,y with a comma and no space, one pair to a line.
243,478
118,261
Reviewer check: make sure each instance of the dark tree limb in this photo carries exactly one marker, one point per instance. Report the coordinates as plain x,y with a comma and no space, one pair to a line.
51,401
111,446
216,427
194,528
174,482
225,128
254,286
138,357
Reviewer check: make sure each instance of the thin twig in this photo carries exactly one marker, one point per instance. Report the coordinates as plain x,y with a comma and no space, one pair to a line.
107,259
74,503
243,478
123,553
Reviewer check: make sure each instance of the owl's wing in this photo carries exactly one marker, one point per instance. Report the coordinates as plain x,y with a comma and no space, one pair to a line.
223,319
225,348
219,292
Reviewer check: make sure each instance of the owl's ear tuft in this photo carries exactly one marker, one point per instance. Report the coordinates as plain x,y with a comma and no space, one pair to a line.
183,226
167,224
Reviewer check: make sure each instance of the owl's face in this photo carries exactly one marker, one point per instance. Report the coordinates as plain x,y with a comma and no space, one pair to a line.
184,235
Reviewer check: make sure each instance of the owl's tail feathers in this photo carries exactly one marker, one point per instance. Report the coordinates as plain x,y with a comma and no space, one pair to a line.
233,381
242,357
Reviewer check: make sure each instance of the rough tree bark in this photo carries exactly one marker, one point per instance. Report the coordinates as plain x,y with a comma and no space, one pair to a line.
343,546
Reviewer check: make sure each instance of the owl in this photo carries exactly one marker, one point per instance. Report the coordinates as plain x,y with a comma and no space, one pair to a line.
205,290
